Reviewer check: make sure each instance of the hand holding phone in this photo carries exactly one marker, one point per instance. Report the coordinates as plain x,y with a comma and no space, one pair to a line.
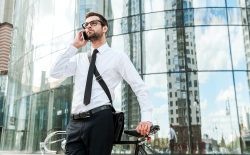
80,40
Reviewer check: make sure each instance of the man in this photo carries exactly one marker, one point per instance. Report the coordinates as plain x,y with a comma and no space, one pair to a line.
172,139
93,134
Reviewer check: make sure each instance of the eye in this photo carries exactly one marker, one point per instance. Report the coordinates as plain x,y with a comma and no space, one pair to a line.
93,22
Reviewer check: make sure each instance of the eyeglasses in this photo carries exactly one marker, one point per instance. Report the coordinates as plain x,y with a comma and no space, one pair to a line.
92,23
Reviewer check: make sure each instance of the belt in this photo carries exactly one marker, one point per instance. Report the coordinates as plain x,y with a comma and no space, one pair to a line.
90,112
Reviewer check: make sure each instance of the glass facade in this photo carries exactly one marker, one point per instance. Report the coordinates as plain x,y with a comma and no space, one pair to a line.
3,90
194,56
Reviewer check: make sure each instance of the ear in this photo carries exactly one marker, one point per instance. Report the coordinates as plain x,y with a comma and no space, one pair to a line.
105,29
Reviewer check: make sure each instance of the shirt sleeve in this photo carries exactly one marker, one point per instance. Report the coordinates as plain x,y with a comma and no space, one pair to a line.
65,65
132,77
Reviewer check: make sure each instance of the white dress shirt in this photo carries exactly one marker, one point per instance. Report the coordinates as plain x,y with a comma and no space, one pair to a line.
172,134
113,66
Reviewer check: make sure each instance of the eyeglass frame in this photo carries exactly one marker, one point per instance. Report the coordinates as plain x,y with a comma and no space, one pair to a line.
91,24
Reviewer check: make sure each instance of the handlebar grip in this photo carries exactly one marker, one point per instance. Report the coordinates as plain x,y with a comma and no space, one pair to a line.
154,128
133,132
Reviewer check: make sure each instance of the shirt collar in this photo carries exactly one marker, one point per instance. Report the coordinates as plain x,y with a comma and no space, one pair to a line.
101,49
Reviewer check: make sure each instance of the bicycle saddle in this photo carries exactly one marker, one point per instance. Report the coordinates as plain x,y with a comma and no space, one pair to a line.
133,132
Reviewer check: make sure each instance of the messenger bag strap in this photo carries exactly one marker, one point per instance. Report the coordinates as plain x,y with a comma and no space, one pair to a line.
102,83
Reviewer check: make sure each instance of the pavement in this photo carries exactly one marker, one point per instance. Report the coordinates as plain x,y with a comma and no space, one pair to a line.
21,153
15,153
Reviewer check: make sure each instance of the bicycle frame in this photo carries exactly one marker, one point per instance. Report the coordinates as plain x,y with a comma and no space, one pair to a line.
139,145
139,142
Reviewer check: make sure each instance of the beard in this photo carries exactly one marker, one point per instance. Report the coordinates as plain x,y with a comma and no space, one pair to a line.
95,36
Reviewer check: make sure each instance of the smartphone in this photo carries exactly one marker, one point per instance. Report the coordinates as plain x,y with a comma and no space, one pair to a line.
85,36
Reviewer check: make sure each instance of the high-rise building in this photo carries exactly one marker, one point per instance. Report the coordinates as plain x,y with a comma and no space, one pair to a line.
6,13
183,91
3,90
133,48
5,31
245,122
245,126
245,16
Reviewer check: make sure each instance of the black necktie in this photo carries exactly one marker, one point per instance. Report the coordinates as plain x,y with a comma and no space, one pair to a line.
88,88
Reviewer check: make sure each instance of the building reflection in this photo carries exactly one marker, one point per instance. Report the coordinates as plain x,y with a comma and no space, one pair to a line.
182,78
192,54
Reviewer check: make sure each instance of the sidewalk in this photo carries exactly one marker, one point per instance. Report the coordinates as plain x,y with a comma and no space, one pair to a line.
15,153
21,153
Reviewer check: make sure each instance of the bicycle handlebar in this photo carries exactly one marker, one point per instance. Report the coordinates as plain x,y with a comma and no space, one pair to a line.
133,132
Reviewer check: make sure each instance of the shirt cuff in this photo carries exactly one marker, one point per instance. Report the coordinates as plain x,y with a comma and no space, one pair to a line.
147,116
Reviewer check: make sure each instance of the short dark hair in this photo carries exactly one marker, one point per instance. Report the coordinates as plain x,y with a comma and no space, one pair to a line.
104,21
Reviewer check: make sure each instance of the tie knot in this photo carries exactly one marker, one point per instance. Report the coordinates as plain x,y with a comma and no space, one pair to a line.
95,51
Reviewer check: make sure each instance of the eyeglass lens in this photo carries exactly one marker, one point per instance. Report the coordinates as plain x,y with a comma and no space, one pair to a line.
92,23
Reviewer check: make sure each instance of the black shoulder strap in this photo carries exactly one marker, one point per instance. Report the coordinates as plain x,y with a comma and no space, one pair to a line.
102,83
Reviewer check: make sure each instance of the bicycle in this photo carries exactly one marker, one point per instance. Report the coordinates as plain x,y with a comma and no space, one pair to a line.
140,142
44,146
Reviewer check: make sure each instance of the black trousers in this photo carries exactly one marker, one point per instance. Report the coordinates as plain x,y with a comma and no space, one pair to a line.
91,136
171,146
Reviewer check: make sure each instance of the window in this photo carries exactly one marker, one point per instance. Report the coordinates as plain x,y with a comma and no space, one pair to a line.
195,93
170,85
190,83
171,103
197,119
195,83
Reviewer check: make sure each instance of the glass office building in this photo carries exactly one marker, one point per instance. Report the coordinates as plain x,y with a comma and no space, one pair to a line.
194,56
